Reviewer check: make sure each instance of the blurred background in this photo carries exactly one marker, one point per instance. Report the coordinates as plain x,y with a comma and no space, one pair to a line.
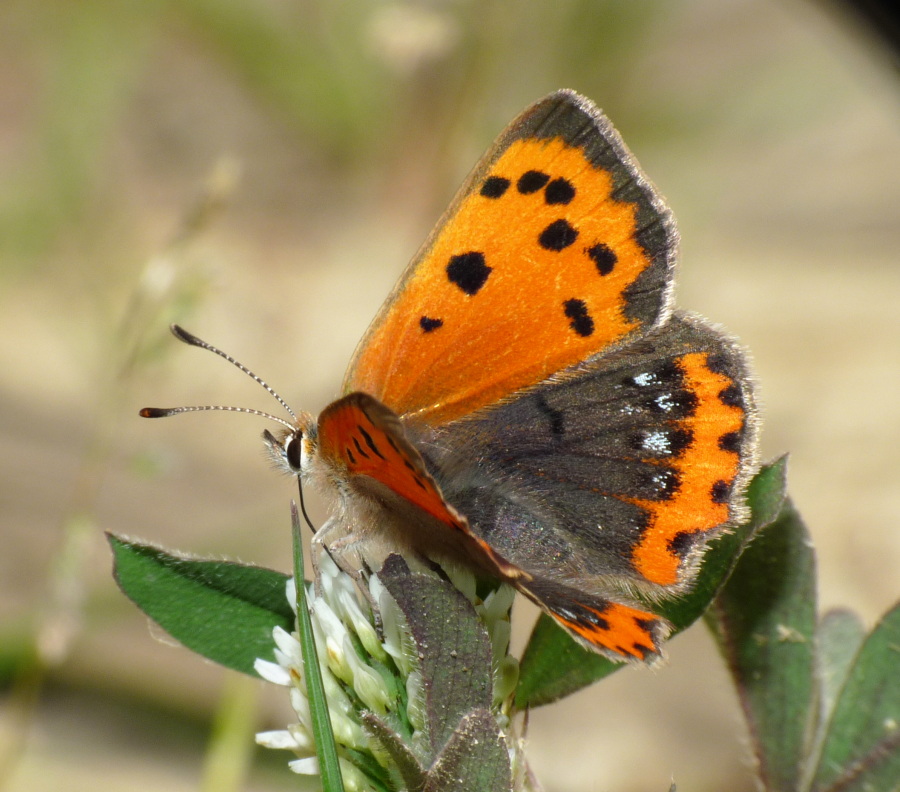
261,172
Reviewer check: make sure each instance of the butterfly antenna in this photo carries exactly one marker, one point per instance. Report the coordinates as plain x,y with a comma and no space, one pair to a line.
189,338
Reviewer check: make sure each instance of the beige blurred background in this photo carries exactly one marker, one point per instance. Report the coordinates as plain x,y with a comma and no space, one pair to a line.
338,132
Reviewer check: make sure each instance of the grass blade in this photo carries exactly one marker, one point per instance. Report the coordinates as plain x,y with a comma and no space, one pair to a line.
326,750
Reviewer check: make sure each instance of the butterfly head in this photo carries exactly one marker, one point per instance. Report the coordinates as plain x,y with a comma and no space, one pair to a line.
294,451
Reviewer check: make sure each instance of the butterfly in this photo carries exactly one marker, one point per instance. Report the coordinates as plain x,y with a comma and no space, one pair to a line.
528,404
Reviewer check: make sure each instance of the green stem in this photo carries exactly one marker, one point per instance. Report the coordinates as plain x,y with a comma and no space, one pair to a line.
326,750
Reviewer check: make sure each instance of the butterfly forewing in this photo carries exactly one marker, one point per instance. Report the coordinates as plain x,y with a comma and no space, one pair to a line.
557,244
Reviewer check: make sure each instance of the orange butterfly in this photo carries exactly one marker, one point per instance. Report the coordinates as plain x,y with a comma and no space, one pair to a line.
527,404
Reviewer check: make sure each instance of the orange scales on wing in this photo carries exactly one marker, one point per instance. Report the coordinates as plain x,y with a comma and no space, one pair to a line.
538,258
707,470
616,627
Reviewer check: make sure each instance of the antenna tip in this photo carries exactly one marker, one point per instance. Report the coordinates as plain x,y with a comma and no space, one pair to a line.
183,335
153,412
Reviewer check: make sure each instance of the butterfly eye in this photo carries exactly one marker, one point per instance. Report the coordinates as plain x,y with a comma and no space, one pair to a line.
293,450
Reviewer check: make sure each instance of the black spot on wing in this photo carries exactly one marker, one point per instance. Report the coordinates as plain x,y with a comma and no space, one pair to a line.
576,613
531,181
579,318
673,403
554,417
661,483
680,440
359,449
666,374
604,258
370,442
468,271
721,491
428,324
681,543
559,191
658,443
557,236
730,441
643,651
494,187
661,390
647,625
731,396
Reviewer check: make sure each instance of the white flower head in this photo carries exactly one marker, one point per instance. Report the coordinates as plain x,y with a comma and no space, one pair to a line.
370,666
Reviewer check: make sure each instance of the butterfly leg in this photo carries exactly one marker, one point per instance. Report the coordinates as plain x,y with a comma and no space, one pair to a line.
337,548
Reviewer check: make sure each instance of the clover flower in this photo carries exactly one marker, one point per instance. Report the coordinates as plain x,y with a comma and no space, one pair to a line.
377,670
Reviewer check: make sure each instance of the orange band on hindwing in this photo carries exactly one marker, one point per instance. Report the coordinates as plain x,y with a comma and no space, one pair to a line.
613,628
706,469
618,629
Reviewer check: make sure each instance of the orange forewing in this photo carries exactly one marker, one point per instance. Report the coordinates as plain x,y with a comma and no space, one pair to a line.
528,275
353,436
711,461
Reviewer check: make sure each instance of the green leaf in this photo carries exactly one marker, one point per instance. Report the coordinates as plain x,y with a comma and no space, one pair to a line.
221,610
474,759
765,622
409,770
323,734
861,749
453,647
841,633
554,665
465,750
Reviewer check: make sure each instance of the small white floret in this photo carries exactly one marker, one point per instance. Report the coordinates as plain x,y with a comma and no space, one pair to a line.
272,672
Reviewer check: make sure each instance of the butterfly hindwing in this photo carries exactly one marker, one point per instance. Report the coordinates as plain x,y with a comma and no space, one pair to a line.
614,475
365,440
557,242
612,628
